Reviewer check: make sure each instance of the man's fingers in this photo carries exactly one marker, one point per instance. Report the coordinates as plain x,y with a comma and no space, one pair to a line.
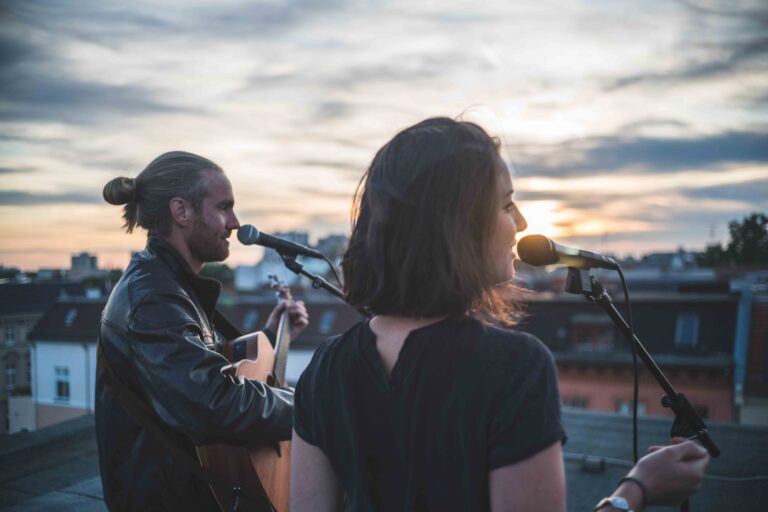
689,451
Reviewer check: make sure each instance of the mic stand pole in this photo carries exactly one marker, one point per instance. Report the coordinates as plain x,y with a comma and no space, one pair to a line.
317,281
687,421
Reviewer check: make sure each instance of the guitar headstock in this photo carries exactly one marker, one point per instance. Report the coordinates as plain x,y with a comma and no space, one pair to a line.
282,291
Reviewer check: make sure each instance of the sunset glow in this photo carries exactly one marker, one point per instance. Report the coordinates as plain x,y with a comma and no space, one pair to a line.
641,126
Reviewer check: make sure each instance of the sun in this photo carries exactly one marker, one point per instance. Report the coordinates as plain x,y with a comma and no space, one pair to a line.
542,218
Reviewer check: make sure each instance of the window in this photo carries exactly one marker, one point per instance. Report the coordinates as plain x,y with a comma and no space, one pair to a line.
326,322
10,375
70,318
62,382
592,332
249,320
10,335
624,407
687,330
575,402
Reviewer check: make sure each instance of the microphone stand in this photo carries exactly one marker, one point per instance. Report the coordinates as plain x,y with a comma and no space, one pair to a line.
687,421
317,281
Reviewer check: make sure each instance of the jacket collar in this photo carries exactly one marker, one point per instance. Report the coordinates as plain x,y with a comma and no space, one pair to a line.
206,290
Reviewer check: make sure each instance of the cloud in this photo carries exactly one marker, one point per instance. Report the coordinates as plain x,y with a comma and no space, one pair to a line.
44,97
338,165
38,84
17,170
651,123
259,19
21,198
729,9
127,165
751,191
651,154
731,50
325,194
92,20
31,140
332,110
411,67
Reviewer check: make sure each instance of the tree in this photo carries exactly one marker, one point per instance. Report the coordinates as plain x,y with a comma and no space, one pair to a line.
748,244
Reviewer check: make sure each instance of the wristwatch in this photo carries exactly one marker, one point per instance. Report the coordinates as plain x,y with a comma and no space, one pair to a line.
618,503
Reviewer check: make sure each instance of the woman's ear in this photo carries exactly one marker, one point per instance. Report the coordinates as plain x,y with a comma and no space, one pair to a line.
181,211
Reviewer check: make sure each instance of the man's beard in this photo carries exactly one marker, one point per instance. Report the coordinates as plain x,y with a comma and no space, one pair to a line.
205,244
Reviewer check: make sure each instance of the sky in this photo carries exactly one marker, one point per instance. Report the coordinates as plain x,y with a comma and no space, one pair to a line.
630,126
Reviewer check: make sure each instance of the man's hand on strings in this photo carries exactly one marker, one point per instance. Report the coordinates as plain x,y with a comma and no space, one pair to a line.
298,317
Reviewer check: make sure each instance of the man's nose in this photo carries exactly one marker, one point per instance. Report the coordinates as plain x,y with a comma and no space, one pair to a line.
233,222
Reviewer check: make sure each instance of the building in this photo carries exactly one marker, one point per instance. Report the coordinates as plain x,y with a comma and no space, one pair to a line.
84,265
689,335
252,278
328,316
21,306
63,356
696,338
751,350
63,347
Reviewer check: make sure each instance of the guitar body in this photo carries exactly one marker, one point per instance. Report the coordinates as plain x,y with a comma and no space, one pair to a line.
266,465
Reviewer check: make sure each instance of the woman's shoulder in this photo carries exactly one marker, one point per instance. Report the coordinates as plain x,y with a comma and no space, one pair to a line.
505,346
337,346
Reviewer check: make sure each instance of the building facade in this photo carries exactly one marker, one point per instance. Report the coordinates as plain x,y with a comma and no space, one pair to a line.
691,336
63,355
22,305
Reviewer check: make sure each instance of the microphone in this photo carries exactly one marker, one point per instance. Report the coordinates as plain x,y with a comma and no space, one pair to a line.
249,235
538,250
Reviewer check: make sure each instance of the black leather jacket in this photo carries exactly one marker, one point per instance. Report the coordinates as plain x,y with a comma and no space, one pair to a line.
157,334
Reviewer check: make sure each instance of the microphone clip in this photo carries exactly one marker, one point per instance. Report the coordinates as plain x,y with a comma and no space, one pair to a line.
581,282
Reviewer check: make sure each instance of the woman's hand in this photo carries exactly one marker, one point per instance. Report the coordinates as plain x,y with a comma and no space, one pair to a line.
670,473
298,317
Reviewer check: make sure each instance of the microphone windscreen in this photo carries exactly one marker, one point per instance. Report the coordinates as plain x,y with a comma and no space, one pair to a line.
248,235
537,250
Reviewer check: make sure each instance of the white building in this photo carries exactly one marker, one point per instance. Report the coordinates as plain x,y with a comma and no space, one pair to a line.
63,358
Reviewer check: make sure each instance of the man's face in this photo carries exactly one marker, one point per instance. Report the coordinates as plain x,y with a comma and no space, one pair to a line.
214,222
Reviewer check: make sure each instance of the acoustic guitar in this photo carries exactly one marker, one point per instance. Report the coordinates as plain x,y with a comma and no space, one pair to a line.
264,465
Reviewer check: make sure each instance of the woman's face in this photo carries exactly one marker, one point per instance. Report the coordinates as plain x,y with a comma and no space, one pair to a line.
509,221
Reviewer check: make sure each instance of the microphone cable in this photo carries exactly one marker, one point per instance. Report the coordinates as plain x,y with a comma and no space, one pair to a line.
333,269
634,364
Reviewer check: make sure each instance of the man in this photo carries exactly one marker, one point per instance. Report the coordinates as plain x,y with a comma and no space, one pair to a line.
158,336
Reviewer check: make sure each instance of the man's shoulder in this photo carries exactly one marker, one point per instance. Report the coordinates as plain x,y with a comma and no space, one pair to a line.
146,283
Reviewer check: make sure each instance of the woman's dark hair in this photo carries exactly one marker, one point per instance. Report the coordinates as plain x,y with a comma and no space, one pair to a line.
422,220
146,197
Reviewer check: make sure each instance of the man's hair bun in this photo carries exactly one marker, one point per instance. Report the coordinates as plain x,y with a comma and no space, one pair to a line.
120,191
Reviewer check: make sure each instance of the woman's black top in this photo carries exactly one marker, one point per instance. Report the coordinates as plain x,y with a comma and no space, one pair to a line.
463,398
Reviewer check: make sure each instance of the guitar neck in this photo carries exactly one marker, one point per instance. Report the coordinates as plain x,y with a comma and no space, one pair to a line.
282,345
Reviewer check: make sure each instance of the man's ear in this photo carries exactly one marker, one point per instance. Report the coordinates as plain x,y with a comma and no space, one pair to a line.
182,212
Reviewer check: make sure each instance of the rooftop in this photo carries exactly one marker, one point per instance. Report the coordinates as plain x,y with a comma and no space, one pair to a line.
56,468
21,298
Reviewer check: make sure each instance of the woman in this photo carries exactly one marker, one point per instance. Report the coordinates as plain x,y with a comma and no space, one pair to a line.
427,406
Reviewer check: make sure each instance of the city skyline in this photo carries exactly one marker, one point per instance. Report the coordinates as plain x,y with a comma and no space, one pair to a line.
630,128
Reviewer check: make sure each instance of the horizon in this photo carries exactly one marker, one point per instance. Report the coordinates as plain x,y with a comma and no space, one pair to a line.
629,128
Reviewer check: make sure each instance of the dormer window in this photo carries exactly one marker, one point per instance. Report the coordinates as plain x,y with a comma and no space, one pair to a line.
325,324
70,318
687,330
249,320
